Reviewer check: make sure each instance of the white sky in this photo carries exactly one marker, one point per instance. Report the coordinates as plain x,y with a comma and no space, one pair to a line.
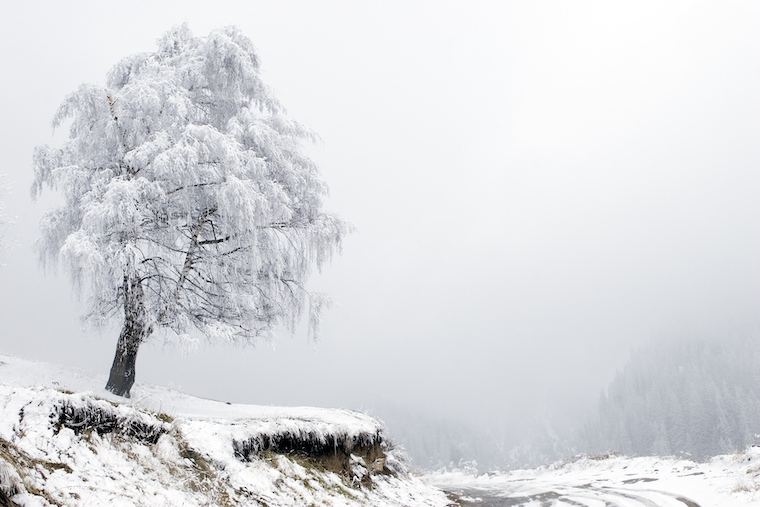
538,187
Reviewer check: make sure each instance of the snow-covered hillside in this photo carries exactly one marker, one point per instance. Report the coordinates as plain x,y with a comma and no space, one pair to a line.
65,441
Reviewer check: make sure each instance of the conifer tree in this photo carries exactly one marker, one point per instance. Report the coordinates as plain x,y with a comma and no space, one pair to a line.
693,397
188,200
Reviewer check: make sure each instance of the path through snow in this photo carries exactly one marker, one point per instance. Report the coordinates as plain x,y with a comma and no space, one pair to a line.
614,481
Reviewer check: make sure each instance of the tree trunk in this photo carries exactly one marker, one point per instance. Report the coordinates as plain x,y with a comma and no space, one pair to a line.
123,369
135,330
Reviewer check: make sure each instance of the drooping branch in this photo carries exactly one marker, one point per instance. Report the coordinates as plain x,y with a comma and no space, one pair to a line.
193,247
196,185
190,256
222,225
116,120
214,241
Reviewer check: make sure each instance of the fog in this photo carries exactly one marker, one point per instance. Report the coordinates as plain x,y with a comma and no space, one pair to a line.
538,188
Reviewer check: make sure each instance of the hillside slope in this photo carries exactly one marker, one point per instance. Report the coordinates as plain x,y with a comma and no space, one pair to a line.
66,441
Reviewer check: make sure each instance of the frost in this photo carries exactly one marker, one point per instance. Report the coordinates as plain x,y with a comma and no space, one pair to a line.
188,202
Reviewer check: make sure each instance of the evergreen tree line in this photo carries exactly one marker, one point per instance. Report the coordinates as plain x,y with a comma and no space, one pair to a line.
693,397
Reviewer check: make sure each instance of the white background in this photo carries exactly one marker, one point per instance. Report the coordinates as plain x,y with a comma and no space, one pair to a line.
538,187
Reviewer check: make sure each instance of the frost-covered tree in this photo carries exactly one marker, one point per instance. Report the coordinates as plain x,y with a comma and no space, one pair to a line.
188,200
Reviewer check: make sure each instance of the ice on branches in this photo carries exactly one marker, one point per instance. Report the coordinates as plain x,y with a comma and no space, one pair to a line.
184,180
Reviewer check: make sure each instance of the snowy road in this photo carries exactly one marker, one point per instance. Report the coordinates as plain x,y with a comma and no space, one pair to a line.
612,481
584,495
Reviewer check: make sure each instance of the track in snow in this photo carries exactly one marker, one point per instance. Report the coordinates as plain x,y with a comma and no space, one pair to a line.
586,495
611,481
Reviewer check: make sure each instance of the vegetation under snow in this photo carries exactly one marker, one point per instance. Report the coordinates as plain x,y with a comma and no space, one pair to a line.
58,447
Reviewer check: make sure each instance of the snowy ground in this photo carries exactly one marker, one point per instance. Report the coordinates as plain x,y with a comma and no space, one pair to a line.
614,481
165,448
66,441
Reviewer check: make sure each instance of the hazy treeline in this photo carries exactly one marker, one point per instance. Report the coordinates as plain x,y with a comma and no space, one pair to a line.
433,443
691,397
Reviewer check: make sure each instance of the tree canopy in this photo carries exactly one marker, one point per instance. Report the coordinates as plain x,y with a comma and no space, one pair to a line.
188,200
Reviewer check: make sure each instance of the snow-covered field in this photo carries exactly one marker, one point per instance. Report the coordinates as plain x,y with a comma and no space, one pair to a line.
65,441
614,481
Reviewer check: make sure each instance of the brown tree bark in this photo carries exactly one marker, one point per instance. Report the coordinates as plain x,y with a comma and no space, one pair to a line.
134,332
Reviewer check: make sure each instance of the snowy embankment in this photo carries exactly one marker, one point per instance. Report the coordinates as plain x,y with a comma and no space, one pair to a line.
614,481
65,441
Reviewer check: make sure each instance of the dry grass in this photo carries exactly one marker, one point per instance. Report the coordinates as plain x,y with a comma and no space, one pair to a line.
745,485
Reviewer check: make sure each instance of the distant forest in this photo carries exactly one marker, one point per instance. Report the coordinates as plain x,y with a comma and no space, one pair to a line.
693,397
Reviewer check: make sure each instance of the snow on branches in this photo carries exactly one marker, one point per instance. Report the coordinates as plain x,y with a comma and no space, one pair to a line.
187,194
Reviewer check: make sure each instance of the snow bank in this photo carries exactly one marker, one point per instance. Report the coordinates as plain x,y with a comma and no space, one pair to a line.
65,441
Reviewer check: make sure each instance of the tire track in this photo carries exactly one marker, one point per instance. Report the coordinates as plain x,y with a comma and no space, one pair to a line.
586,495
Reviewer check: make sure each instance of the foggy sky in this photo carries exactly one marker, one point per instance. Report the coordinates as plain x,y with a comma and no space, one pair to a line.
537,186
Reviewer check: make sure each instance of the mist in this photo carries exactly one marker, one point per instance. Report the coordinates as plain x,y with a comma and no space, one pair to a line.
538,189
